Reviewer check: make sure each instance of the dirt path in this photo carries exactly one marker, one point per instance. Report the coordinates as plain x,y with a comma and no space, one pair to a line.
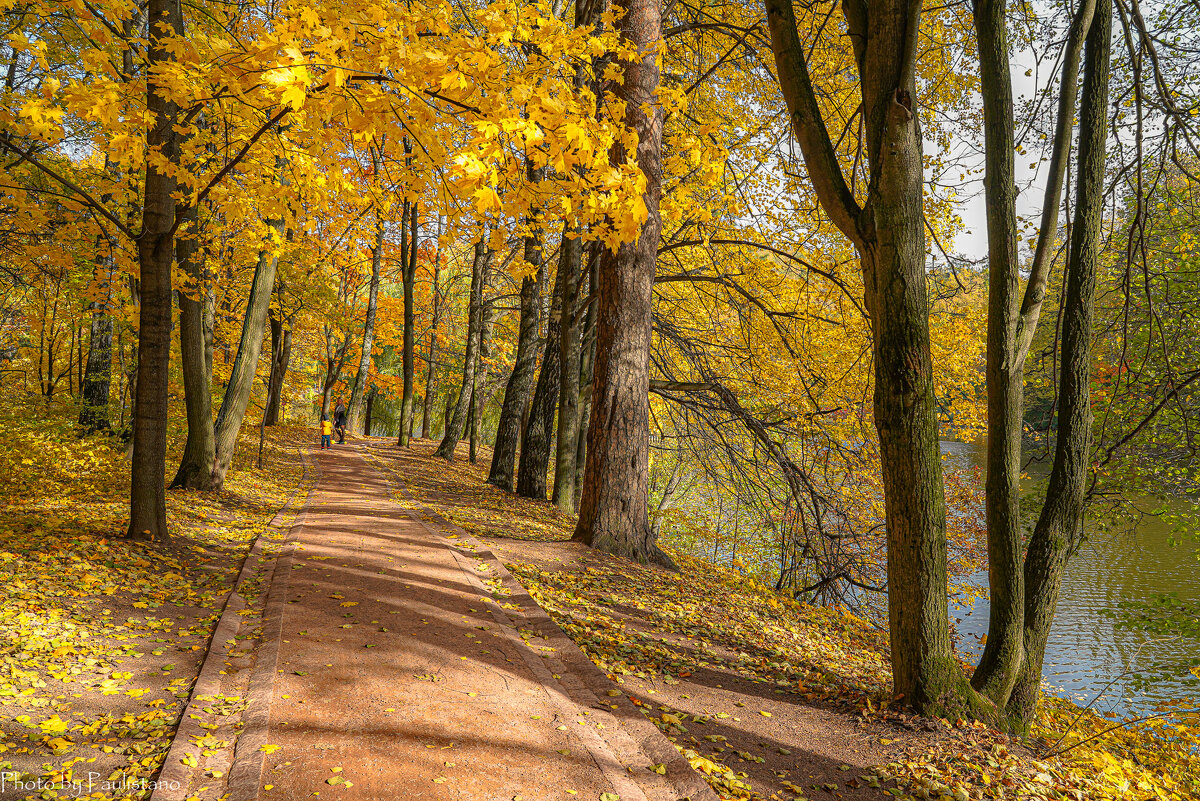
396,678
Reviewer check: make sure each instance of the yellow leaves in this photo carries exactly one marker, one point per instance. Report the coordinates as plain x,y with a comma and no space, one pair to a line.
487,200
269,748
54,725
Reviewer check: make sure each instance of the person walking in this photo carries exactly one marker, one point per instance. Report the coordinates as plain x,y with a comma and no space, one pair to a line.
326,432
339,421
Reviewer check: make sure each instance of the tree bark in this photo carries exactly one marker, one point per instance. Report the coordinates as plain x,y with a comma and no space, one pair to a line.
520,381
97,376
567,443
612,509
408,270
370,409
457,421
281,357
889,235
1059,526
431,370
245,363
156,250
1010,329
479,394
368,341
539,428
1003,651
195,467
587,360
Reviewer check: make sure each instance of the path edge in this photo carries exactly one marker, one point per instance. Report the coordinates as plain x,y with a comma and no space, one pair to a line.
171,783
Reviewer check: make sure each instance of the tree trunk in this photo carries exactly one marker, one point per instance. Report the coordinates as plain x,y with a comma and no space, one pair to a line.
479,397
245,363
1010,330
457,421
281,357
431,373
567,444
368,340
370,409
520,381
889,236
535,441
195,467
97,376
587,360
1003,651
1060,524
612,508
155,245
408,270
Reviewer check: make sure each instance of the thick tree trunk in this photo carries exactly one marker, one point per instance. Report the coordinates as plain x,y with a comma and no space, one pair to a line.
245,363
195,467
520,381
539,428
889,234
156,250
408,270
1004,650
368,341
1010,330
457,421
1060,524
612,509
567,444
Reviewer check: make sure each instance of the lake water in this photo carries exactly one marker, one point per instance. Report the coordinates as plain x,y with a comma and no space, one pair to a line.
1087,651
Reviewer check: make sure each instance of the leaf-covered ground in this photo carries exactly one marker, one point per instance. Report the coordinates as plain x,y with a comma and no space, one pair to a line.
101,639
717,660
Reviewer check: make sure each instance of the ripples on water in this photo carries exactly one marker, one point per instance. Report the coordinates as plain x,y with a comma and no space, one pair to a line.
1087,650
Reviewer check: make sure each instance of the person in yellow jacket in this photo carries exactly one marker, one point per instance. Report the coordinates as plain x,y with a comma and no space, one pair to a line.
326,432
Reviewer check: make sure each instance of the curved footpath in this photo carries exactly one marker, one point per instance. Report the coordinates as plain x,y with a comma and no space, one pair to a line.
398,677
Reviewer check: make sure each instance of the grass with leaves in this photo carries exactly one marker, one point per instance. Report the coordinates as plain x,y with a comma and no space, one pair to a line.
101,638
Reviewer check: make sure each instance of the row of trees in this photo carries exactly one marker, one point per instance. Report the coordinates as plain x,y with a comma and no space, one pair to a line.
588,236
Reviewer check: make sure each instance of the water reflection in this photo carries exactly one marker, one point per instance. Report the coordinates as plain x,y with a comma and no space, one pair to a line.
1088,655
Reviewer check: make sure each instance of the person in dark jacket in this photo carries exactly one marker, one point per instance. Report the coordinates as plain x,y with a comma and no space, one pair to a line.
339,421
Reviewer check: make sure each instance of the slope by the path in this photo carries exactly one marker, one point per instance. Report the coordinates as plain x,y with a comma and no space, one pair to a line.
394,680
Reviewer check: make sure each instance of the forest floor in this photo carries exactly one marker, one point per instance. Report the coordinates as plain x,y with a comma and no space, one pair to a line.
101,639
690,677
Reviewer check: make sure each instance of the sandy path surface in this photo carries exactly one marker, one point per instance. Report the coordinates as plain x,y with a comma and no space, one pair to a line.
395,680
